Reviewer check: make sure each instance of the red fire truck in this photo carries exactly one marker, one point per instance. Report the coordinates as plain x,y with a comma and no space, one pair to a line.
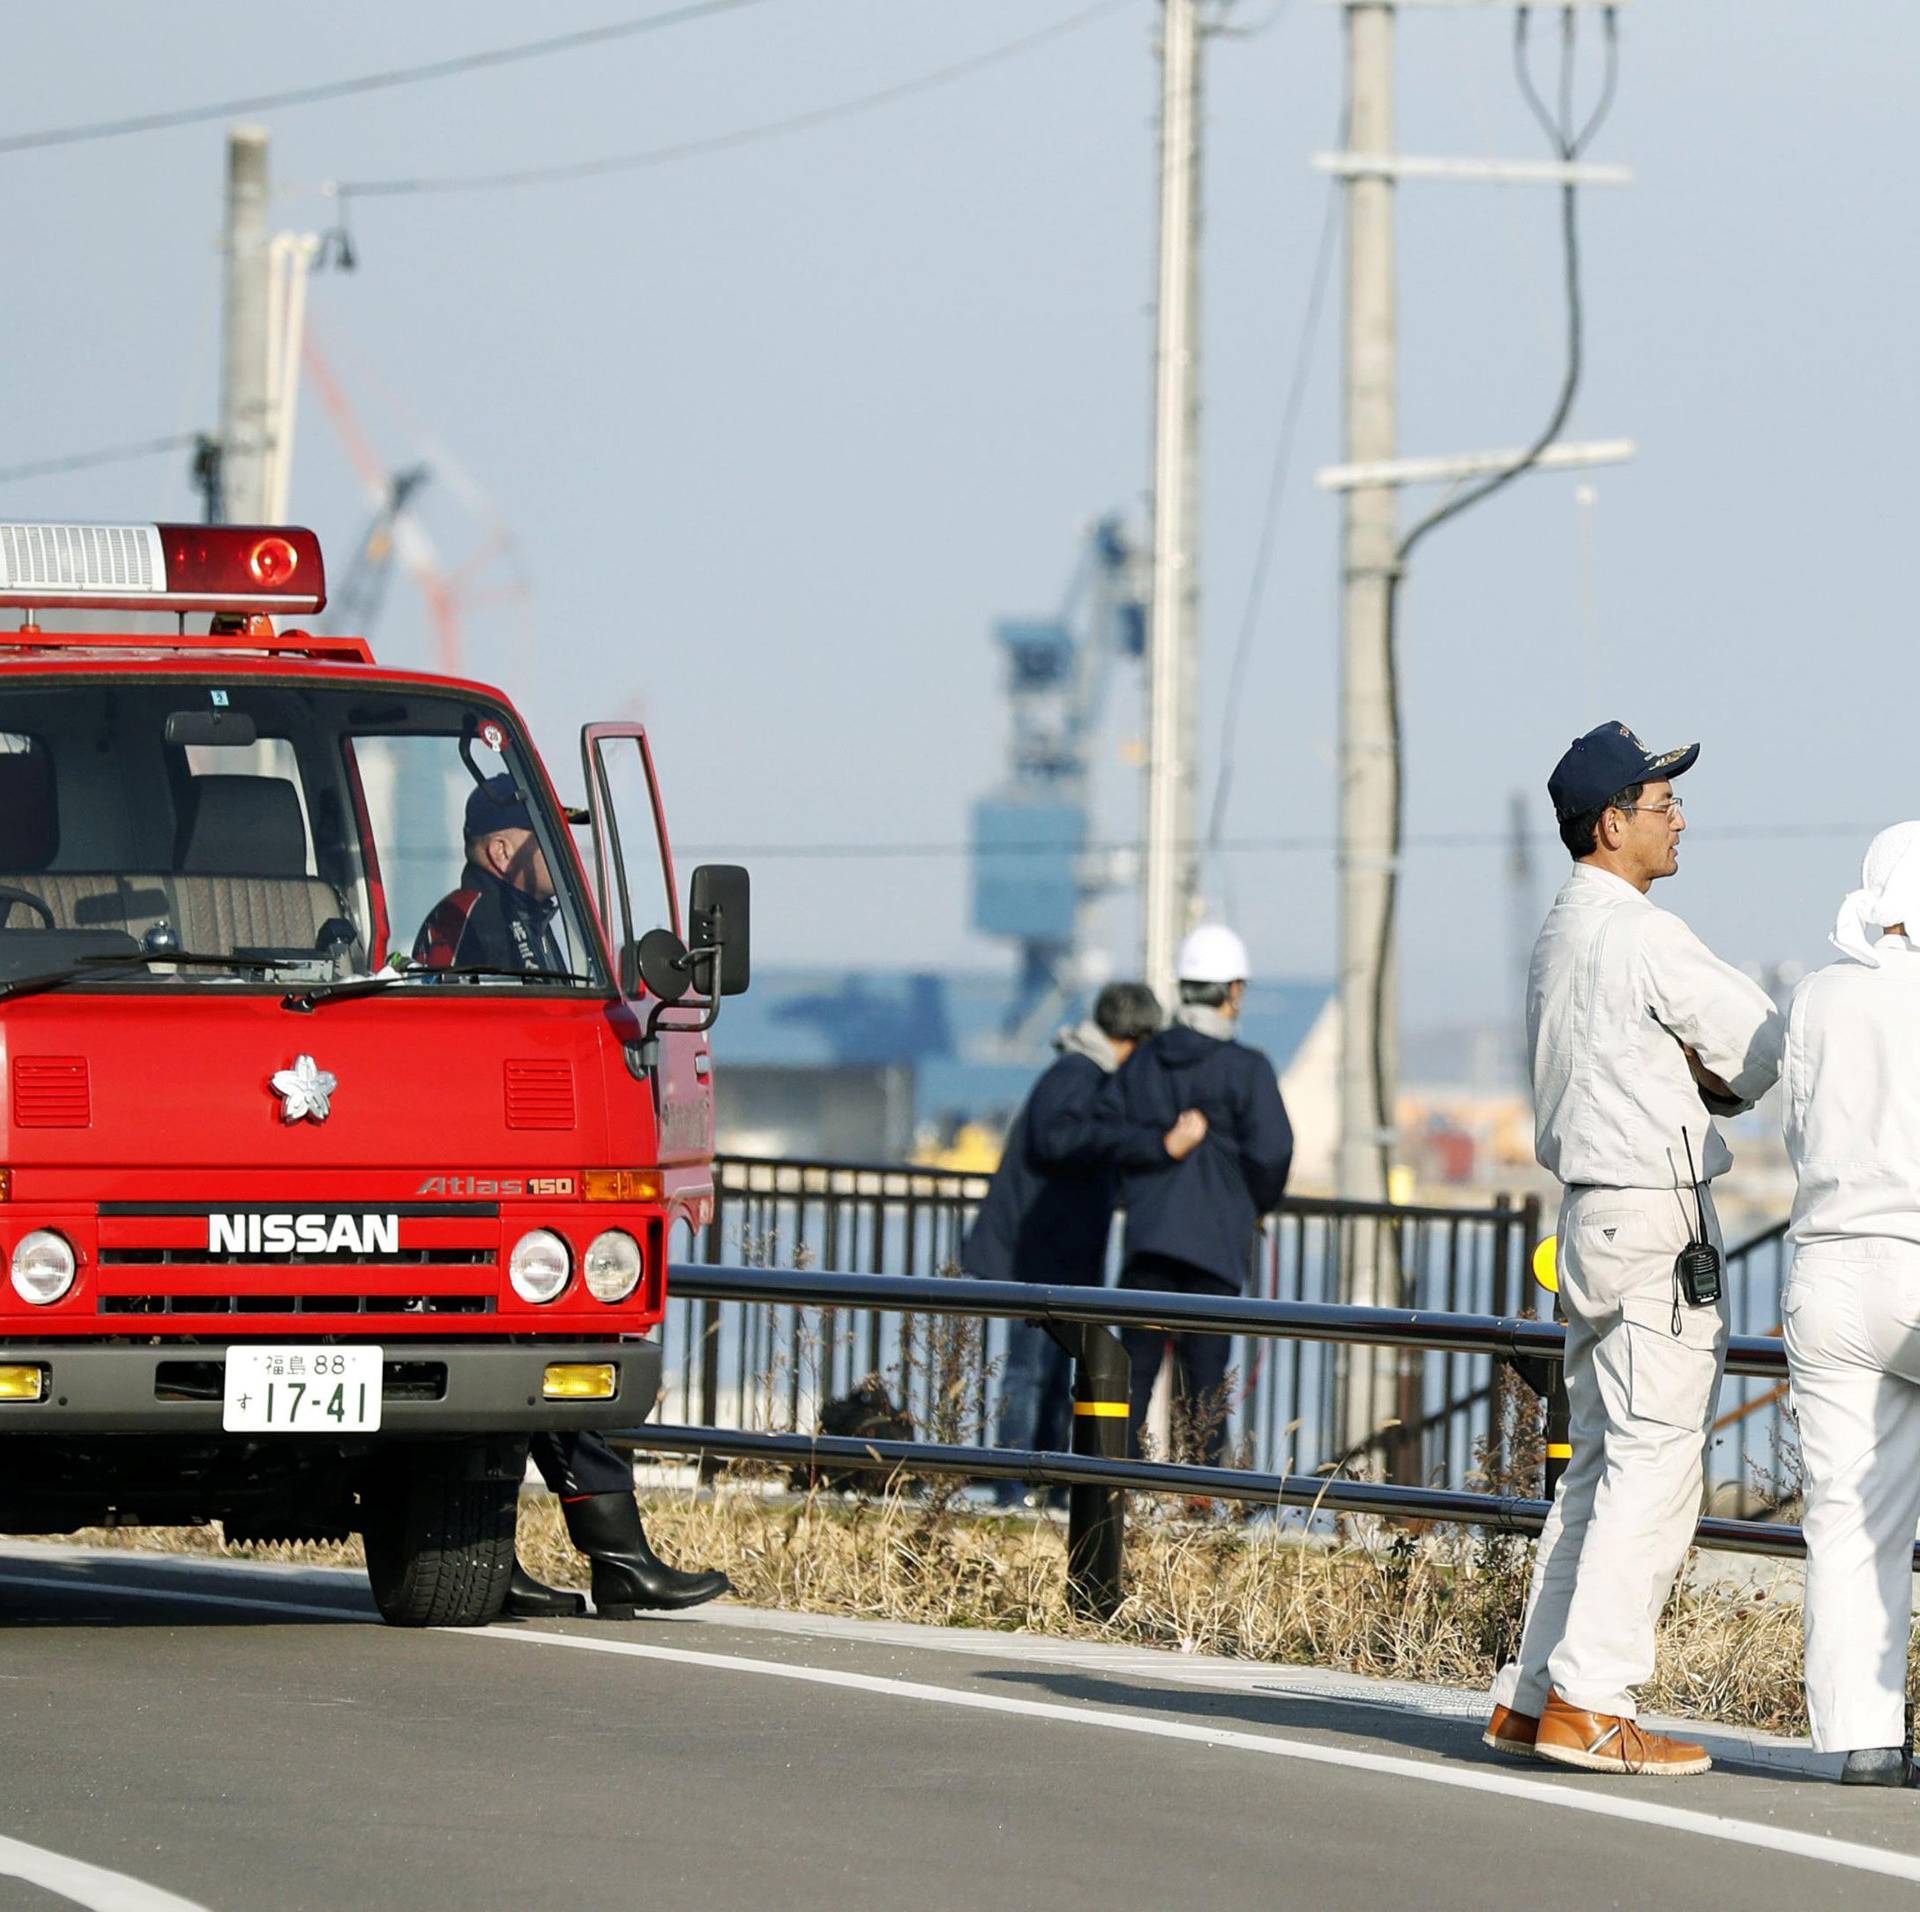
305,1232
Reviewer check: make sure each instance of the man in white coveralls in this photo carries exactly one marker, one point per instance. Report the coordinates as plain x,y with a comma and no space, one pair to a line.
1852,1309
1637,1034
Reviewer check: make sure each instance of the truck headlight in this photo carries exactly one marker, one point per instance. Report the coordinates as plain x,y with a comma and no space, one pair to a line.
43,1266
612,1266
539,1265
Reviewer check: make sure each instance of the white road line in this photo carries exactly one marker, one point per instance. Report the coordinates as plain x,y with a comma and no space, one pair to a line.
92,1886
1743,1832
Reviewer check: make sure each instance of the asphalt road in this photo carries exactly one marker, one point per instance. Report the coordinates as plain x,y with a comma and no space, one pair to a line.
241,1738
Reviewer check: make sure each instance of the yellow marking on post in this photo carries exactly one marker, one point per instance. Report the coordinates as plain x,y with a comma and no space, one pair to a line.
1102,1410
1559,1451
1546,1264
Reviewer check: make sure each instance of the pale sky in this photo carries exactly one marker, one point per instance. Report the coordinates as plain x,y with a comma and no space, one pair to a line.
779,431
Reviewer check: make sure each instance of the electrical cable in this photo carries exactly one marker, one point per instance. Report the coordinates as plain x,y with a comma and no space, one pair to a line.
323,90
1245,846
651,156
1276,493
87,460
1568,143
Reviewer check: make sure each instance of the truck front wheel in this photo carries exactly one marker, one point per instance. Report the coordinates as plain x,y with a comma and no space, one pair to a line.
438,1523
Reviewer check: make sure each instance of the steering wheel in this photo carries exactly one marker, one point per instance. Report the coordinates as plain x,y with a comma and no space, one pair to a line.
10,896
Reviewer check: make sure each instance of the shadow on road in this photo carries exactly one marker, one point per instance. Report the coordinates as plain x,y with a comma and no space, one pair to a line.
98,1596
1456,1740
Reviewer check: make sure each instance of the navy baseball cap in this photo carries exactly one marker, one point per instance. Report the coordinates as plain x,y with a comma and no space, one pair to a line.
1604,762
496,805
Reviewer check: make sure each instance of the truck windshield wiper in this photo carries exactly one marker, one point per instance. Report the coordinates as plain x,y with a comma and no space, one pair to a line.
305,1000
132,958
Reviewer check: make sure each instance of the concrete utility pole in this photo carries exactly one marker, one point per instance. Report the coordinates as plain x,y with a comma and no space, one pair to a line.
1369,1014
1373,551
1170,861
246,402
1370,479
1369,1020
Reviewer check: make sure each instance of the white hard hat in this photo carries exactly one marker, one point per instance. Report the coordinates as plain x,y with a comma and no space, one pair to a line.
1212,954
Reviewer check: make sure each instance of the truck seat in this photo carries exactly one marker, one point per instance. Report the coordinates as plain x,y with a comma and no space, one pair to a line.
242,880
29,842
88,899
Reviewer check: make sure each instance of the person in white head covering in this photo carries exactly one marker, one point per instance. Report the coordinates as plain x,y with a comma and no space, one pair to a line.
1851,1310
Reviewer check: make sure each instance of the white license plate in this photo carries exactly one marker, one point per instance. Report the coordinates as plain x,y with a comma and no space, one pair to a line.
302,1390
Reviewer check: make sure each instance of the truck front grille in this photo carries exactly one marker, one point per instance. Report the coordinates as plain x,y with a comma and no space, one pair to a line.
156,1259
278,1304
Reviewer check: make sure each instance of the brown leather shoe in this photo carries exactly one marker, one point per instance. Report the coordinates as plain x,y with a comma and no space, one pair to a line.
1606,1743
1511,1732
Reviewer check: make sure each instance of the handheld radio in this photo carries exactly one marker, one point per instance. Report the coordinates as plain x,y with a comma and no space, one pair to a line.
1696,1269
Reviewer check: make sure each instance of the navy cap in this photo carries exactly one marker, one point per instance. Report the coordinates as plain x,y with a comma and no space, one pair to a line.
1604,762
496,805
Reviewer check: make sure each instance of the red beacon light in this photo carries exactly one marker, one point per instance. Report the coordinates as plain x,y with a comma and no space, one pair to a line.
227,568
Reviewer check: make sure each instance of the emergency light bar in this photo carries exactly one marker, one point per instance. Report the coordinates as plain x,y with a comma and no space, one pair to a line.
161,567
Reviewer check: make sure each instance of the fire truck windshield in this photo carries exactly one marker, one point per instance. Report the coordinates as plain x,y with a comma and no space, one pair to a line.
197,833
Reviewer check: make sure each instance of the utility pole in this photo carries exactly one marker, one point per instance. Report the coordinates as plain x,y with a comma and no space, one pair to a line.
1369,1018
1173,629
1373,554
1523,925
246,404
1371,478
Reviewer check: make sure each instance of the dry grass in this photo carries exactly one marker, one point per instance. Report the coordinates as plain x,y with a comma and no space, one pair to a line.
1436,1607
1441,1606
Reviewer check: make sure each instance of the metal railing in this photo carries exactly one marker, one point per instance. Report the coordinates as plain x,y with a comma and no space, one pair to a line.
1097,1472
731,1362
1752,1451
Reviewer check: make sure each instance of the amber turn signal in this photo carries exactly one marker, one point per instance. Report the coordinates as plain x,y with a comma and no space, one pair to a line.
622,1185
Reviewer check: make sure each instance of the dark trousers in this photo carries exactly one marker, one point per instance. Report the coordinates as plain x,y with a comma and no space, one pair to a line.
1199,1360
1036,1398
576,1465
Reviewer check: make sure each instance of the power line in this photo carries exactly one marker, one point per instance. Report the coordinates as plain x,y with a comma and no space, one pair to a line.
652,156
313,95
948,849
86,460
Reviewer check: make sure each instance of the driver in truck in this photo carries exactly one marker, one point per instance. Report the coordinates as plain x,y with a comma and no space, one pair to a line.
504,916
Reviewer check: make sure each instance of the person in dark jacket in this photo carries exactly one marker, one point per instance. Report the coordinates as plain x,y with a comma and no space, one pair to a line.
1050,1203
502,917
1190,1228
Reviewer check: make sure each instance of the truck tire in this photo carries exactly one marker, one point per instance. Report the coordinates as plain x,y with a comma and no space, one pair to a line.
439,1542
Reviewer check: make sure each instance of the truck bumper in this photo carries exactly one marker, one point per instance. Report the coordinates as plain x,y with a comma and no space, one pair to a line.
443,1387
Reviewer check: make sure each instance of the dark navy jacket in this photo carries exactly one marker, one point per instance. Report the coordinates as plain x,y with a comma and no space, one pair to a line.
1051,1200
488,921
1202,1211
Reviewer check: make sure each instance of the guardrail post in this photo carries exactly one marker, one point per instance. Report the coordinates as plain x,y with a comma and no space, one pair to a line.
1096,1516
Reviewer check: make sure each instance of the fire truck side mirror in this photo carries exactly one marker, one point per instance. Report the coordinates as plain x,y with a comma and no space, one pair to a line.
659,959
721,919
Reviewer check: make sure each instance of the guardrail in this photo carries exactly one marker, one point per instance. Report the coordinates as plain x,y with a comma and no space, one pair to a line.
730,1363
1097,1472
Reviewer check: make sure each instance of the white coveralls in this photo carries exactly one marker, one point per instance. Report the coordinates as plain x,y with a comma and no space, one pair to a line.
1852,1322
1615,988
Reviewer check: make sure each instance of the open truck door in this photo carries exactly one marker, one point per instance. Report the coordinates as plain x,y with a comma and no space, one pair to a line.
673,969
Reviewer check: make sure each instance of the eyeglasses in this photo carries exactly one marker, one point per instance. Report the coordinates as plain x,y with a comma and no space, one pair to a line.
1671,808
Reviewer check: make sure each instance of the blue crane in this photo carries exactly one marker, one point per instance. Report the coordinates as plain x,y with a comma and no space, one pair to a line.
1035,872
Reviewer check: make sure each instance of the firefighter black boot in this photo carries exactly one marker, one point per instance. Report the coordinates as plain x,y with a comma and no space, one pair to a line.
527,1599
627,1574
